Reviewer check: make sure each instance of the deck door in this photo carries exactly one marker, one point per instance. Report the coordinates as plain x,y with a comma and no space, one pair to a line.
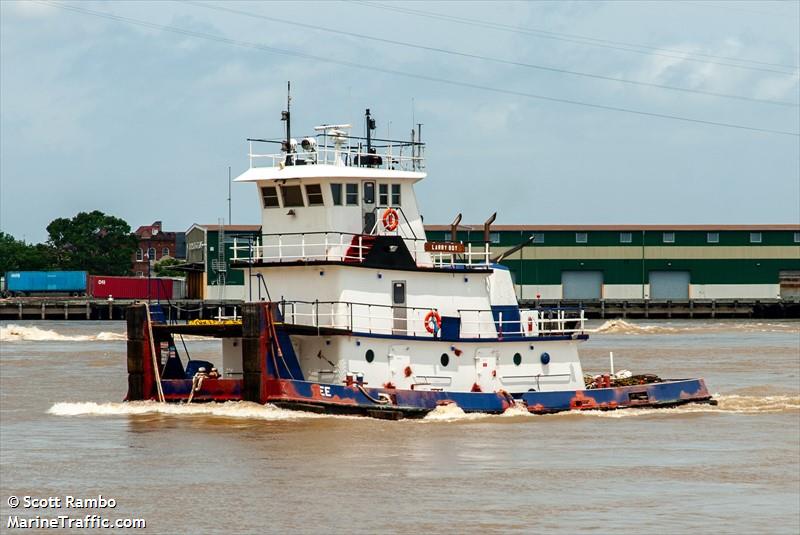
399,310
486,368
368,206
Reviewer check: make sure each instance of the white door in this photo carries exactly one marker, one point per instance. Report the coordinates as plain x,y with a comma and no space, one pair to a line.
399,360
486,369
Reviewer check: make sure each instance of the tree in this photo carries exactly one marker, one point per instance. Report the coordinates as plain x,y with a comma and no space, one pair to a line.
93,241
162,267
16,255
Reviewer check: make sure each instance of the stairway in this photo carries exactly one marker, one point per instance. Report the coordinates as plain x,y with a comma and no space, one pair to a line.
367,242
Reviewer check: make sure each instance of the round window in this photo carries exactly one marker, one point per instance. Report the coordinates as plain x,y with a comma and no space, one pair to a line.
445,360
545,358
370,355
517,359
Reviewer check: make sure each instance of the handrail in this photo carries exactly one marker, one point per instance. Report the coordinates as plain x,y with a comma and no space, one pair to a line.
294,246
377,318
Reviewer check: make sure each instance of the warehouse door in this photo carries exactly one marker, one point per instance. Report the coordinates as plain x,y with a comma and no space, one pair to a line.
582,284
790,285
669,284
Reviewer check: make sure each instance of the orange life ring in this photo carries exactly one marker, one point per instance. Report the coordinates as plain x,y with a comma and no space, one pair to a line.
433,326
390,219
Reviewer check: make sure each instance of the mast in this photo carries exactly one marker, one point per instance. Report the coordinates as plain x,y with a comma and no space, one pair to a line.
287,116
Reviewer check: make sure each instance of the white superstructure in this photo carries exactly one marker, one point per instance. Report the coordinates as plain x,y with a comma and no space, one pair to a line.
343,250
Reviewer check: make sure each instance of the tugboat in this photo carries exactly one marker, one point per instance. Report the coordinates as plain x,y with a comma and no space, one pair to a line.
351,310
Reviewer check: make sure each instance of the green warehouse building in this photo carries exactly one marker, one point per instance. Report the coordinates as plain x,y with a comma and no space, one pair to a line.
645,262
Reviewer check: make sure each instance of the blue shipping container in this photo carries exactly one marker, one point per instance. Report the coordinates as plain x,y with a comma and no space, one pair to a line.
46,281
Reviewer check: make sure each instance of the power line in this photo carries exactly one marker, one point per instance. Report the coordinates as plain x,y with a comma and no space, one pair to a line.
487,58
257,46
588,41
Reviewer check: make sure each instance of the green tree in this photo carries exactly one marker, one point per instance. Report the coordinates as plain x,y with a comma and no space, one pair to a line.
16,255
93,241
162,267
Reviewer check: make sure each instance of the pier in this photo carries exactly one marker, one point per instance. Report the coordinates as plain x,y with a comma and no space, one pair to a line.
77,308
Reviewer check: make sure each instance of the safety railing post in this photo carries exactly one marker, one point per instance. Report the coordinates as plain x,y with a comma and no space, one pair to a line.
235,249
280,248
360,250
302,246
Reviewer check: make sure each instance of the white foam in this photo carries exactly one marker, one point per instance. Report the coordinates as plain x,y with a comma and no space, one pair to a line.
19,333
619,326
229,409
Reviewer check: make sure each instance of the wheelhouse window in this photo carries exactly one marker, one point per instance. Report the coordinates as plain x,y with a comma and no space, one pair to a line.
351,194
139,254
626,237
755,237
270,196
292,196
797,237
668,237
581,237
538,237
336,193
395,194
494,237
314,194
383,194
712,237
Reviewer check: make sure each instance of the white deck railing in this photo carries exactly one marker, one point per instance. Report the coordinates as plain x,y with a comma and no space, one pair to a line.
346,247
398,156
410,321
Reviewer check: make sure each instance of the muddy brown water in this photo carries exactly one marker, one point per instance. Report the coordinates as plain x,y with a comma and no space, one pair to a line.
244,468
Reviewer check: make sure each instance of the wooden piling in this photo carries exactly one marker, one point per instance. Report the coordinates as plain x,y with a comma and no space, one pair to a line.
137,351
252,360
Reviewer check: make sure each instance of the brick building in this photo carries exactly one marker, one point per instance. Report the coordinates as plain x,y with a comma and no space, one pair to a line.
154,244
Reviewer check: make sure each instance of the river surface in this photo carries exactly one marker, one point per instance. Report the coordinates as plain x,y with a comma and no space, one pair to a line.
244,468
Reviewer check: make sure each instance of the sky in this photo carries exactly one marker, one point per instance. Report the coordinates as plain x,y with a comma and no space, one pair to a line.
138,109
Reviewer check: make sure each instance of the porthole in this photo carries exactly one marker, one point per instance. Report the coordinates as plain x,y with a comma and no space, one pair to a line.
370,356
517,359
545,358
445,360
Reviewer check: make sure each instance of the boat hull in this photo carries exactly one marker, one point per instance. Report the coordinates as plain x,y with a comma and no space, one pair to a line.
394,404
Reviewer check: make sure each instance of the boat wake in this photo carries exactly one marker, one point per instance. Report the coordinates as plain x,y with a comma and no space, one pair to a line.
229,409
625,327
730,404
19,333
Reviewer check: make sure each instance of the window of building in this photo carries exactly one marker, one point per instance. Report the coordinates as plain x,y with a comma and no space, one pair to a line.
538,237
626,237
755,237
336,193
140,273
351,194
712,237
669,237
581,237
383,194
797,237
494,237
292,196
270,196
164,252
151,253
139,254
314,194
395,194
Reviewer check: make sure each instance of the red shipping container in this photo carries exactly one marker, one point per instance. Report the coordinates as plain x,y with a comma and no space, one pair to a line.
102,287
